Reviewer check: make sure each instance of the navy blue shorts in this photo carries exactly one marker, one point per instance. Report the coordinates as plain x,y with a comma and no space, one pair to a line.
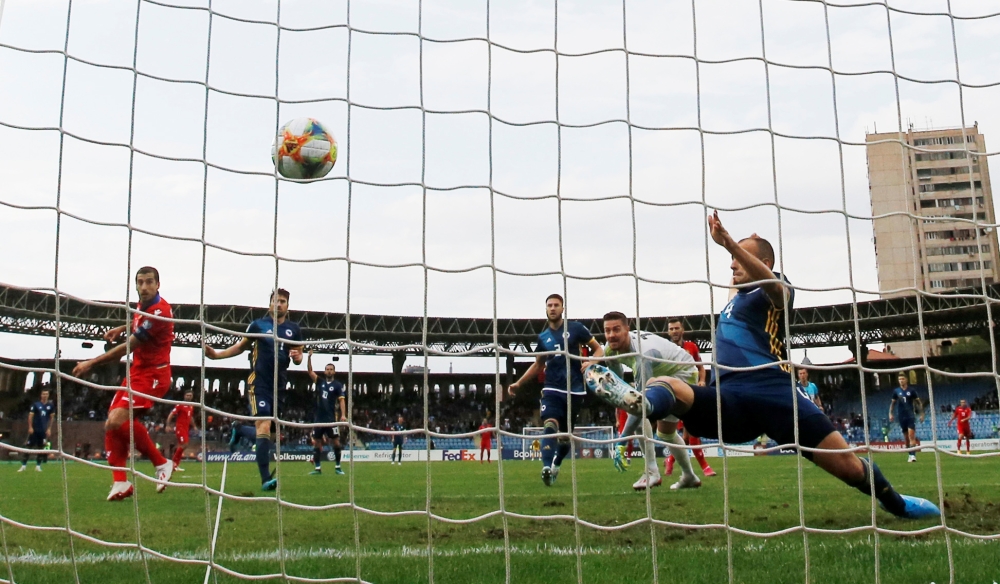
319,433
36,440
907,424
397,441
751,407
554,408
262,400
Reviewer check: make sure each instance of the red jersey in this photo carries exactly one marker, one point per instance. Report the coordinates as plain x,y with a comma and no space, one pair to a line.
486,437
963,415
692,350
156,335
183,415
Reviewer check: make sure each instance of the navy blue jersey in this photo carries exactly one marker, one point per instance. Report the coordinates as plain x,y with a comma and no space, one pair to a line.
574,335
262,352
905,399
328,394
398,428
751,331
42,416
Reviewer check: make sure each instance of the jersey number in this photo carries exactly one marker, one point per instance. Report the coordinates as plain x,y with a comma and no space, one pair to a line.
324,395
728,311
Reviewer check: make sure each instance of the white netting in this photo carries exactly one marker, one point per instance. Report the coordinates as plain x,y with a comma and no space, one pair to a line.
648,224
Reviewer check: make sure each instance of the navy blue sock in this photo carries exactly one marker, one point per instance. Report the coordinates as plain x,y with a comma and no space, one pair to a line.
548,444
317,454
264,458
336,455
884,492
561,453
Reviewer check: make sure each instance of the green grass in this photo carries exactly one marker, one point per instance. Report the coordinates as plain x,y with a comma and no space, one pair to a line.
763,497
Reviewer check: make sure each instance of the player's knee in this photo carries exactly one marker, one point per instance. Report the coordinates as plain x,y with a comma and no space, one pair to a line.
551,424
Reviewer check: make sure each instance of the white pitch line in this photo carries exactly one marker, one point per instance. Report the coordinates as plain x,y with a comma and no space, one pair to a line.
218,519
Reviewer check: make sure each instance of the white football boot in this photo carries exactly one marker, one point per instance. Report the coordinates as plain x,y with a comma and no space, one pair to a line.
163,473
120,490
647,482
686,482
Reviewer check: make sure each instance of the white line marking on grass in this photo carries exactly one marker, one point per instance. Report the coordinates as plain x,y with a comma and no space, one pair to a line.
218,519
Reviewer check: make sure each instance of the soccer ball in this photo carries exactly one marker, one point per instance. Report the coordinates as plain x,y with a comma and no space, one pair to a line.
304,149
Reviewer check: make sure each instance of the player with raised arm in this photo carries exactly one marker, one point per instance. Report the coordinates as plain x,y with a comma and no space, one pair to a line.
907,403
329,401
558,336
149,340
675,330
961,416
263,377
39,430
653,354
179,421
398,439
756,401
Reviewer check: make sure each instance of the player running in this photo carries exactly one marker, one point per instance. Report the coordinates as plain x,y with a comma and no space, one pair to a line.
558,337
757,401
181,418
653,352
961,415
398,439
262,380
906,403
39,430
485,442
150,340
329,400
675,329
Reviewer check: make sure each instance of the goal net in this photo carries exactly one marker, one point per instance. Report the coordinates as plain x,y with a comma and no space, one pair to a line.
490,154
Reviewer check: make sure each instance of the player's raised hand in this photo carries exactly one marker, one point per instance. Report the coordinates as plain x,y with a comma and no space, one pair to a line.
512,388
296,354
114,334
719,233
82,368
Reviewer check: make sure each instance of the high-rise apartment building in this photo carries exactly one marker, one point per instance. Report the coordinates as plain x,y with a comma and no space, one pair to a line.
932,197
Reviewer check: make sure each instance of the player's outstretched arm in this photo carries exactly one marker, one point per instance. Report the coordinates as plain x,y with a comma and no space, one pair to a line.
343,408
31,419
892,406
309,367
596,351
531,372
167,426
113,356
231,351
754,267
114,335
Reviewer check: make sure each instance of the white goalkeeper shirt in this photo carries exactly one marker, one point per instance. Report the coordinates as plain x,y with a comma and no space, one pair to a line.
647,365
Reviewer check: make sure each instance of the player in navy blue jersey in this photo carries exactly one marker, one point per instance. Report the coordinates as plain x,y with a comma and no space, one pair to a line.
39,429
398,440
330,401
907,404
750,332
262,379
560,377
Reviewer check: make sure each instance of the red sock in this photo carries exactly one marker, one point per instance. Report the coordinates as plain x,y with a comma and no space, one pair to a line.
628,449
144,444
699,454
960,445
116,454
178,455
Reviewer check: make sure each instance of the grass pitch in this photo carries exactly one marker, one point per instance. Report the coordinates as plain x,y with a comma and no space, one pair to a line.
763,497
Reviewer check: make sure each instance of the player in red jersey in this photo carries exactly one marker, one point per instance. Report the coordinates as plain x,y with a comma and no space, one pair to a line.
150,342
485,442
183,417
675,330
962,415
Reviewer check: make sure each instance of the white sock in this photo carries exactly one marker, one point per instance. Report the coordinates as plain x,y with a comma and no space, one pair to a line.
631,426
679,451
649,450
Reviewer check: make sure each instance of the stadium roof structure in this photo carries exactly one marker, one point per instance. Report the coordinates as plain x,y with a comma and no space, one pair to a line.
963,313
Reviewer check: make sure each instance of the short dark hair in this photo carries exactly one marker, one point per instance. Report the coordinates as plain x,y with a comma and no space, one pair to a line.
148,270
903,374
764,249
551,296
280,292
615,315
674,319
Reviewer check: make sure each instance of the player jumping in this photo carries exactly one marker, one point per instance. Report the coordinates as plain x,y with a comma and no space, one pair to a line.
149,374
558,338
961,415
329,399
906,403
181,418
39,419
398,439
645,366
261,383
675,329
757,401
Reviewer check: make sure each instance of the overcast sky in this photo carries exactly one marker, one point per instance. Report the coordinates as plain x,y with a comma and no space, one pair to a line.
673,172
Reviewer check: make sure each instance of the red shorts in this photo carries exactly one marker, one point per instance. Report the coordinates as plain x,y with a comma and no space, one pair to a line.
964,429
154,382
622,417
486,445
182,439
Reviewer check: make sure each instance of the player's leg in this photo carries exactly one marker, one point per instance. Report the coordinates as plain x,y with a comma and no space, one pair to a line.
911,442
666,431
337,451
179,451
264,447
699,453
317,442
31,444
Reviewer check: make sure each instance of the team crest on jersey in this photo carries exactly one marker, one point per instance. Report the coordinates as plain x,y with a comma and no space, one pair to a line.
157,312
288,332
